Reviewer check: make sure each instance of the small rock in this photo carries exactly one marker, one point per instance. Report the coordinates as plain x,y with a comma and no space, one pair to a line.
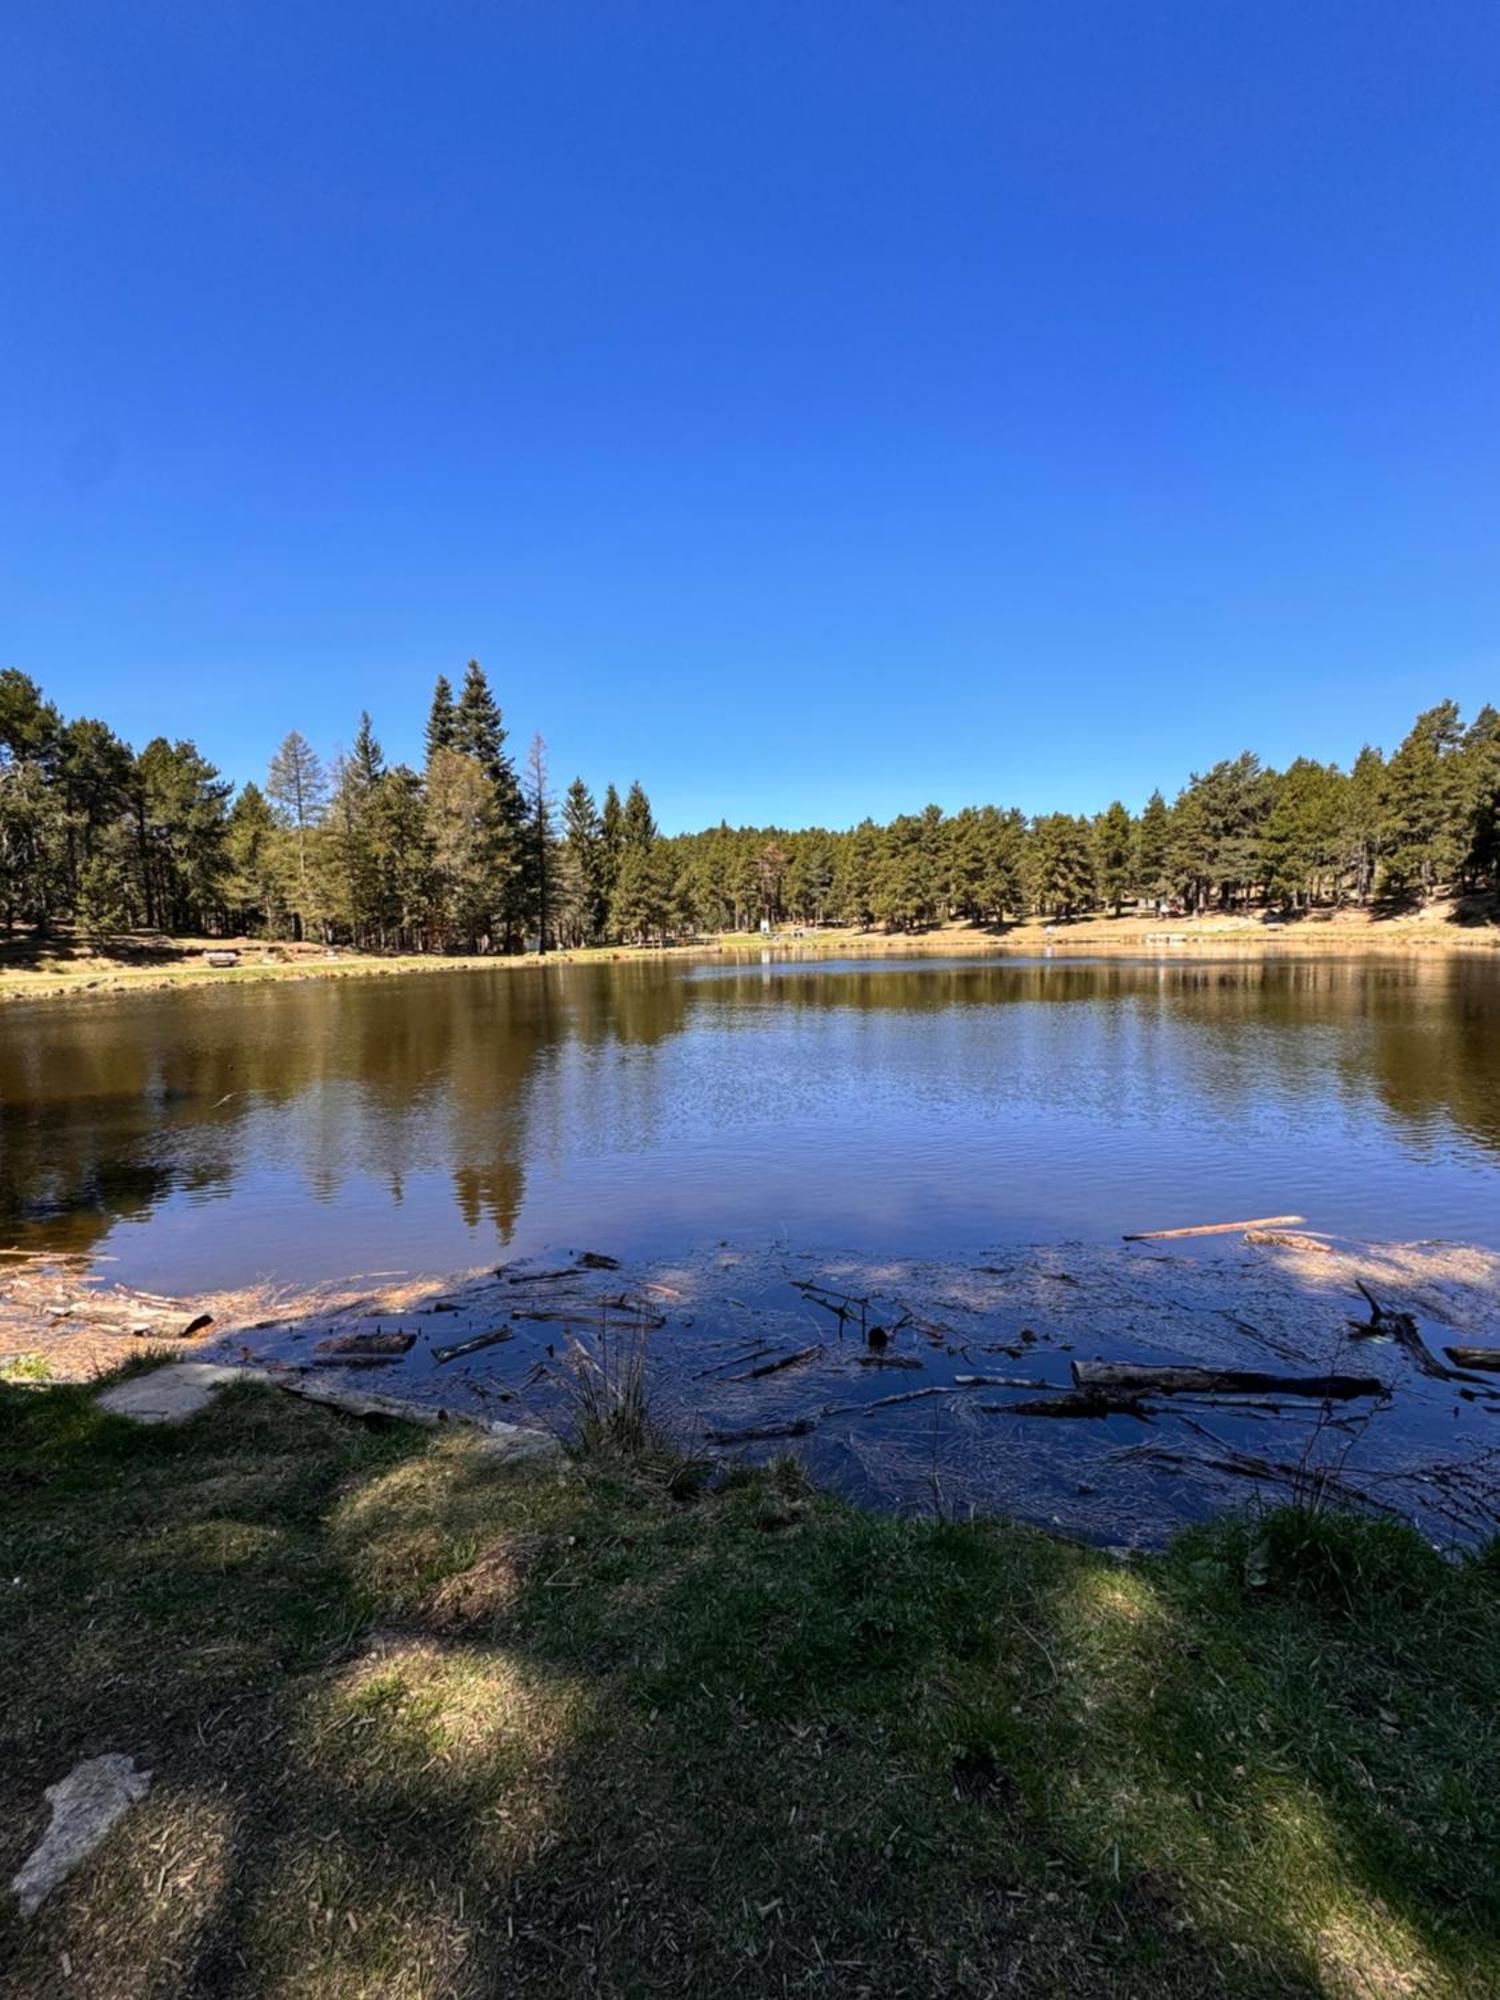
85,1805
169,1394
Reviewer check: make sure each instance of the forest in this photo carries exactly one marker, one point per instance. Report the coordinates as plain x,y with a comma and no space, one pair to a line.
473,852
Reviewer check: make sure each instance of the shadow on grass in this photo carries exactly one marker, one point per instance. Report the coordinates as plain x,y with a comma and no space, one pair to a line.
422,1725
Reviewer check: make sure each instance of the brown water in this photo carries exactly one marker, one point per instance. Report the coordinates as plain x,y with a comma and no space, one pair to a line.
911,1107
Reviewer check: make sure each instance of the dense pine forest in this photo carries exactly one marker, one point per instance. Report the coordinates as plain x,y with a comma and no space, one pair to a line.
475,853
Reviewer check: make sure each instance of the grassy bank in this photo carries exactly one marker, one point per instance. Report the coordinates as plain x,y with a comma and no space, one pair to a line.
422,1726
38,971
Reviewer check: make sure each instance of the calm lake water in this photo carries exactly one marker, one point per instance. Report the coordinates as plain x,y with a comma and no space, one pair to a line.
905,1106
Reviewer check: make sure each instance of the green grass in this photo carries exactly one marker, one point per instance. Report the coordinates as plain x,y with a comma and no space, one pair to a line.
422,1726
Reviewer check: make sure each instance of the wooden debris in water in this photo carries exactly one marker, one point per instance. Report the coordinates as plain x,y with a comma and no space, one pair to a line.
1283,1239
1073,1403
775,1366
793,1427
474,1344
381,1346
1215,1228
1135,1377
1486,1359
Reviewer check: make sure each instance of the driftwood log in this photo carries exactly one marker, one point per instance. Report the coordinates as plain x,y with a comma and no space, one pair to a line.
1215,1228
775,1366
379,1346
1486,1359
794,1427
473,1344
1142,1378
1078,1403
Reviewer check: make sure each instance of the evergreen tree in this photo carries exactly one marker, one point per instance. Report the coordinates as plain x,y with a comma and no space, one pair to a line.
464,842
637,827
1114,855
180,803
255,888
611,843
442,719
367,756
1300,838
1425,839
1153,842
582,893
1480,867
1365,817
479,732
540,842
1062,865
297,786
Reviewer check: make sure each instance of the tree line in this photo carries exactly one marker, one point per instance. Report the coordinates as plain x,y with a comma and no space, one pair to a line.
471,853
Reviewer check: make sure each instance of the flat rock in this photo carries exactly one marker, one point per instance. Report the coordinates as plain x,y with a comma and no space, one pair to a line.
517,1444
85,1805
168,1395
510,1442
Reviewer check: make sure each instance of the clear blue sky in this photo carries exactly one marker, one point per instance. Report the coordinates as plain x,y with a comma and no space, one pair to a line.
813,409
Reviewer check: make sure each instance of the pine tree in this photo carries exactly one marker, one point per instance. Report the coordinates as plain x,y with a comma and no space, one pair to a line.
1481,792
298,786
611,844
464,842
367,756
1365,817
479,732
442,719
1425,842
540,842
637,827
1062,865
583,896
1114,844
1153,839
255,849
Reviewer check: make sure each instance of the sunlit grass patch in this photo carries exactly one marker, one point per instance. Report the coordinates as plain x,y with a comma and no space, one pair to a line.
23,1368
423,1725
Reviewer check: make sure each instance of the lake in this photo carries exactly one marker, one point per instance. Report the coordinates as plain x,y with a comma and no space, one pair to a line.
900,1106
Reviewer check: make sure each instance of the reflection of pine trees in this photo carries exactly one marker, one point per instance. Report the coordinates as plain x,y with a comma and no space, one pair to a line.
104,1115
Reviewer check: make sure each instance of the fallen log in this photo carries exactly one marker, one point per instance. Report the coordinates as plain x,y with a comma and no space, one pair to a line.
1000,1382
473,1345
1215,1228
1145,1378
775,1366
794,1427
356,1360
878,1360
1073,1403
1486,1359
380,1346
1389,1323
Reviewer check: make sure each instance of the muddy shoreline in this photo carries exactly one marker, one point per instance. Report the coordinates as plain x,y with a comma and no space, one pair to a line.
921,1385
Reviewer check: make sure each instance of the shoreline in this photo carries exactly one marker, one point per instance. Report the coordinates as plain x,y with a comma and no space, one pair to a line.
1334,935
767,1348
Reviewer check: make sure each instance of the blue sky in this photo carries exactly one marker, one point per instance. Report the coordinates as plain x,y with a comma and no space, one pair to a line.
811,409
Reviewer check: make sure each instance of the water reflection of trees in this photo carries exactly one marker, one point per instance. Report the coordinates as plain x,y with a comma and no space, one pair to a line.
106,1111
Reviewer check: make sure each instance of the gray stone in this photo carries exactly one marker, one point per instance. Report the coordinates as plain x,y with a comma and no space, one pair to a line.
512,1443
518,1444
85,1805
168,1395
